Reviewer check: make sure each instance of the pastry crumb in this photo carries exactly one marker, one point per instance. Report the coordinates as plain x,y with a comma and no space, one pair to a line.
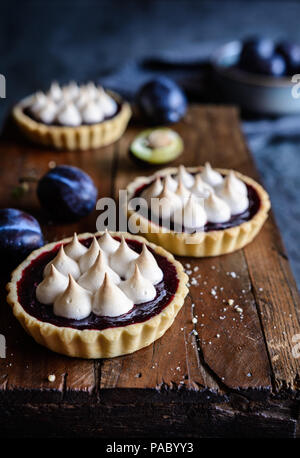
232,274
51,164
238,309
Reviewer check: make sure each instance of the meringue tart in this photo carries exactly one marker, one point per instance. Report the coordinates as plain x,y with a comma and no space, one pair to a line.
197,211
73,117
97,295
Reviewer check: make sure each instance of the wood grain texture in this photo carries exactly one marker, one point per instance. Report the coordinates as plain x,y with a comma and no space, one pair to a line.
233,366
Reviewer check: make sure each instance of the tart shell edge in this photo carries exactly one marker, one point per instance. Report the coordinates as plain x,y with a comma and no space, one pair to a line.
92,344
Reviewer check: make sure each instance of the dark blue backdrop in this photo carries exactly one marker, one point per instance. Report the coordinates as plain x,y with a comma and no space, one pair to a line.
45,40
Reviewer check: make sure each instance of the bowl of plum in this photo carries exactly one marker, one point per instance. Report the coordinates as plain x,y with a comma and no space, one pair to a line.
259,75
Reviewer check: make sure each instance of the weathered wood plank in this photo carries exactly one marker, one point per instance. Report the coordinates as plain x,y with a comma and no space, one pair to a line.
228,338
276,295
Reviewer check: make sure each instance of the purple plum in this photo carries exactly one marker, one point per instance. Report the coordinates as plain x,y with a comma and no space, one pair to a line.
67,193
162,101
20,233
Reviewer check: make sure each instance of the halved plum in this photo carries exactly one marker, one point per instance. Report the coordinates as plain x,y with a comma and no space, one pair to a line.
157,146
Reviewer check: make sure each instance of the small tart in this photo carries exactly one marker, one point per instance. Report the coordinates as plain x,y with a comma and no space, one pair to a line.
115,319
75,136
220,235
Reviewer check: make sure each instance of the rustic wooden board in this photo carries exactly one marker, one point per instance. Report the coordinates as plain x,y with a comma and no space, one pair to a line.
231,373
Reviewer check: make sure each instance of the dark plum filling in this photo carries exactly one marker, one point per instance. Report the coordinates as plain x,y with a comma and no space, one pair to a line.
31,115
33,275
235,220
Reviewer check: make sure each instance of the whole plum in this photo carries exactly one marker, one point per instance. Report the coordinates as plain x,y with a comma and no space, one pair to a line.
254,51
67,193
162,101
273,66
291,54
20,233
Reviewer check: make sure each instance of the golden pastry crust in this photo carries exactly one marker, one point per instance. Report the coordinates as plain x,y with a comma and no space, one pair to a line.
74,138
200,244
105,343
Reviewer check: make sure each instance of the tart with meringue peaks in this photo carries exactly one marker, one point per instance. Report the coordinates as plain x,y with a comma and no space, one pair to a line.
73,117
197,211
97,295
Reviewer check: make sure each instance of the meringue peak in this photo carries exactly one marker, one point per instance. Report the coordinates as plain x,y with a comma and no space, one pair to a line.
235,183
47,111
192,216
75,249
55,91
216,209
138,288
74,303
52,285
88,258
107,243
64,264
153,190
211,176
200,187
237,201
186,177
170,183
69,115
91,112
182,192
93,278
108,104
147,265
166,191
39,101
122,257
110,300
166,202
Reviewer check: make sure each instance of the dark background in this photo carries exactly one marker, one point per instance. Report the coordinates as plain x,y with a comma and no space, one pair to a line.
42,41
45,40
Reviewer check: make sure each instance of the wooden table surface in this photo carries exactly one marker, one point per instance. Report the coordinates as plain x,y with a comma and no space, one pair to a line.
229,374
